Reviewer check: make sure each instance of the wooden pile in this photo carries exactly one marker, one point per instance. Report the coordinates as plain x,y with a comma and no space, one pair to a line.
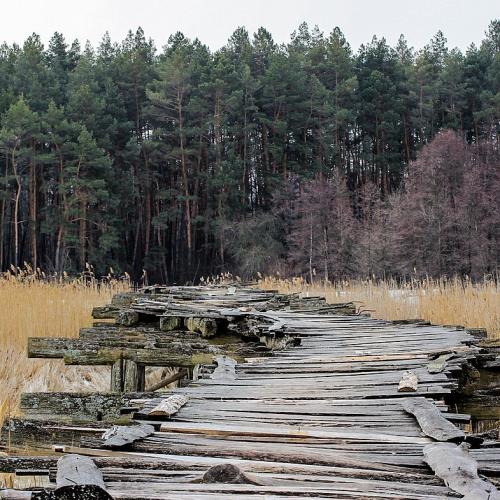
324,416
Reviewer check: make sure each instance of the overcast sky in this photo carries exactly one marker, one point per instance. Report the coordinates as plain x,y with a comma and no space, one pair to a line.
212,21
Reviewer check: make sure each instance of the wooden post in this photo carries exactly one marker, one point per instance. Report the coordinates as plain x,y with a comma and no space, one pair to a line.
116,376
127,376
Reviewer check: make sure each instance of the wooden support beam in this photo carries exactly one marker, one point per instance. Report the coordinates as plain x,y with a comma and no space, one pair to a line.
83,352
127,376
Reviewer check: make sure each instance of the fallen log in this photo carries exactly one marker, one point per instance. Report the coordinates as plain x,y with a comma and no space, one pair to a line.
78,477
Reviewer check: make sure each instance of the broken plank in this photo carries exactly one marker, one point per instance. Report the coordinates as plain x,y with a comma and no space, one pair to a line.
458,470
122,435
431,421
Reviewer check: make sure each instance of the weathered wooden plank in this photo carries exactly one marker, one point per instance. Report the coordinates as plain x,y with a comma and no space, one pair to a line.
290,431
458,470
122,435
168,406
226,369
431,421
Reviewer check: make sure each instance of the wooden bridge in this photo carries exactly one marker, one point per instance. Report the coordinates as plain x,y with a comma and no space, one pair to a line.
278,397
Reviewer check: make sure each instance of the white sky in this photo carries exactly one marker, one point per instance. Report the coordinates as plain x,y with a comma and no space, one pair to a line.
213,21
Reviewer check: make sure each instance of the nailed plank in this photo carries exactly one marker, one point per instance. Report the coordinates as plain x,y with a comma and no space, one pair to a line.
458,470
121,435
431,420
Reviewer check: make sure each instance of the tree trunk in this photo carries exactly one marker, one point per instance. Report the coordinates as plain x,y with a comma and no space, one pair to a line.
185,178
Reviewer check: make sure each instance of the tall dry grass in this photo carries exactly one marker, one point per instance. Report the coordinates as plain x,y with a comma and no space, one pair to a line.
34,305
445,302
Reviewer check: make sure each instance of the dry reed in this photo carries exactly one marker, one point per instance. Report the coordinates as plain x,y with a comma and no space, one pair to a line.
34,305
445,302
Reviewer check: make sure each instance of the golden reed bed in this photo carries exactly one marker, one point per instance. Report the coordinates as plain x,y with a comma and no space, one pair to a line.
34,306
445,302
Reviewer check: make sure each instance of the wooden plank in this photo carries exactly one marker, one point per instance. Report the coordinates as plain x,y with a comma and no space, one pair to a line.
458,470
226,369
289,431
431,421
122,435
168,406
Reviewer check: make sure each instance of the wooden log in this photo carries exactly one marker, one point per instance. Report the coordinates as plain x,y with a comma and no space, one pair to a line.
408,382
228,473
127,376
167,381
458,470
206,326
169,323
105,312
82,352
76,469
127,317
169,406
432,421
77,406
122,435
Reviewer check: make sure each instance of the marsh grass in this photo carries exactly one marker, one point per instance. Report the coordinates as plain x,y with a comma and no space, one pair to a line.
443,302
35,305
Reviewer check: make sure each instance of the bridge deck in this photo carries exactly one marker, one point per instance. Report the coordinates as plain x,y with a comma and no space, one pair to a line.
321,420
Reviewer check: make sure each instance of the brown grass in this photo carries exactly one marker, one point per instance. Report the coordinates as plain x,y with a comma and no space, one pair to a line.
445,302
34,306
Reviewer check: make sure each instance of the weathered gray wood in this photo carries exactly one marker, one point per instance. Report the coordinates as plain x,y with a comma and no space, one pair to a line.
167,381
206,326
77,469
168,406
431,420
122,435
458,470
127,317
408,382
77,406
8,494
439,364
226,369
228,473
105,312
169,323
